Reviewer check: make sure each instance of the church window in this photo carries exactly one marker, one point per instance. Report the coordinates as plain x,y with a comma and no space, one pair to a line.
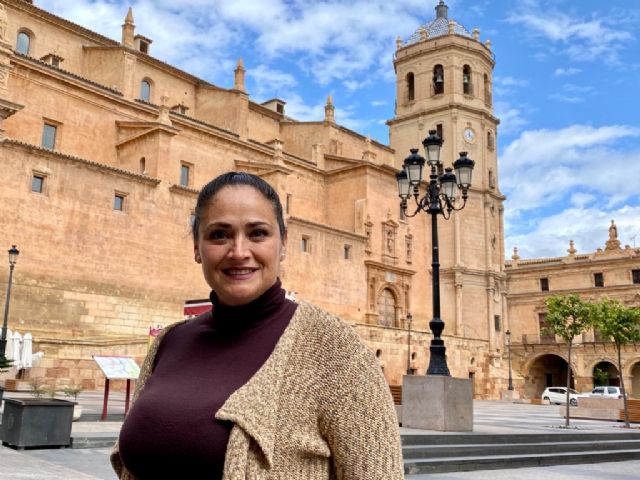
118,202
305,244
598,279
439,131
467,84
544,284
49,133
490,141
497,325
145,90
185,175
23,43
492,180
387,308
346,253
37,183
411,92
288,203
487,91
438,79
635,276
143,165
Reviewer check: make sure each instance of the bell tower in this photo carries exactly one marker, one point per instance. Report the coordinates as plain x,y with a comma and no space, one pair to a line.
444,83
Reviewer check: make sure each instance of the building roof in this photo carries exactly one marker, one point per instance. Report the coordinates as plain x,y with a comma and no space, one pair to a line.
440,26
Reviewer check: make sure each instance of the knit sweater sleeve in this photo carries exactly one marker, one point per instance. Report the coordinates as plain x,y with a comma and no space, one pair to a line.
358,416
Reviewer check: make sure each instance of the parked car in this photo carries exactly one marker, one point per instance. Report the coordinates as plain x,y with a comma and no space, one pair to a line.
558,395
606,392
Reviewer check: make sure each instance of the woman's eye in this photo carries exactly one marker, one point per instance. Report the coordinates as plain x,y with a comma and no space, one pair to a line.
259,233
218,235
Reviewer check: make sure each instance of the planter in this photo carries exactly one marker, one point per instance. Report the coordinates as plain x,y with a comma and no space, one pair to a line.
77,412
37,422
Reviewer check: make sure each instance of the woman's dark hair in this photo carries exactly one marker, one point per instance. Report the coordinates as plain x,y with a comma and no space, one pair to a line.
237,178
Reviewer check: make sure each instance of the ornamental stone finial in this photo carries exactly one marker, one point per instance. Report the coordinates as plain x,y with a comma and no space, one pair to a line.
515,255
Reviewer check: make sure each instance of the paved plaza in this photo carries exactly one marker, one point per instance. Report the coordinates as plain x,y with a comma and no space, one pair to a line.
489,417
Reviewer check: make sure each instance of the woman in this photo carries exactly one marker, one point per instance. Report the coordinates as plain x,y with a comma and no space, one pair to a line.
261,387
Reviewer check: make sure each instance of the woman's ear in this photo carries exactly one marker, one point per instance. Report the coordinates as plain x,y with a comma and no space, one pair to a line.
196,253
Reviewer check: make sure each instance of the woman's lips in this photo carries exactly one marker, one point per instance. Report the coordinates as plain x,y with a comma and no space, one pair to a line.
239,273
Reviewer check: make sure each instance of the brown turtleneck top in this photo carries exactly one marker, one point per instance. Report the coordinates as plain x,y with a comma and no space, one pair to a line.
171,431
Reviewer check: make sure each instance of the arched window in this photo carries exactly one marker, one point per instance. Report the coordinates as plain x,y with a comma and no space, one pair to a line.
438,80
143,165
411,92
387,308
467,85
487,90
23,43
490,142
145,90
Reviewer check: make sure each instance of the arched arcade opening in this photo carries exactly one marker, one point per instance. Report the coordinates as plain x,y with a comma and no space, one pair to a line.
548,370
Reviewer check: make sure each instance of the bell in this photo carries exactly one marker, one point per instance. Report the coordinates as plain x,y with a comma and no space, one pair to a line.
439,78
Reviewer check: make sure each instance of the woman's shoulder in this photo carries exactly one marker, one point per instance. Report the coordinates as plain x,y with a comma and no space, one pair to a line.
319,327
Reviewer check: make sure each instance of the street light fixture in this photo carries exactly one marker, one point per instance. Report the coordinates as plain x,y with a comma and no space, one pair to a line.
409,319
508,335
13,256
439,199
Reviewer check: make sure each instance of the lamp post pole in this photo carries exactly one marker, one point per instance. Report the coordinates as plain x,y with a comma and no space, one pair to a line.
508,335
409,319
439,199
13,255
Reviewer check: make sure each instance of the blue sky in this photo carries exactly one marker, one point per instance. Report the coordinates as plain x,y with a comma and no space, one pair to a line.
566,87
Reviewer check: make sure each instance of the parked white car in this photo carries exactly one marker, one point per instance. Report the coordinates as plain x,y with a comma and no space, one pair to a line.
606,392
558,395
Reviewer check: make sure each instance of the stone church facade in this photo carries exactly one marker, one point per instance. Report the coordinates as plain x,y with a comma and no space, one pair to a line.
103,150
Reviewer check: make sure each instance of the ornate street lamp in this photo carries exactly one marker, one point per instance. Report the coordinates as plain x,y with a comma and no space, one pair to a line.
409,318
439,199
508,335
13,256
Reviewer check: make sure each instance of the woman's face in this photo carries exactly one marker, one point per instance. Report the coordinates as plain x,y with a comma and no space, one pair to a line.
239,244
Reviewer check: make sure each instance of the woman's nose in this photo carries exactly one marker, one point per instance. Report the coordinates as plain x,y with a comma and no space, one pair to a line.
239,247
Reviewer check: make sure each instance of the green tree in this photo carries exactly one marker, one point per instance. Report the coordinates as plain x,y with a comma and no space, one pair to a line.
622,325
567,316
600,376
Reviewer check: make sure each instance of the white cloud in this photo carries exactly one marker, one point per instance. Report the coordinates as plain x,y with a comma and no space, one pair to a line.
587,227
566,72
378,103
545,169
270,83
578,39
510,82
511,118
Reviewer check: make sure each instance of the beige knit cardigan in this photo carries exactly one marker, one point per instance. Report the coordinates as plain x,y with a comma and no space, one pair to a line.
318,409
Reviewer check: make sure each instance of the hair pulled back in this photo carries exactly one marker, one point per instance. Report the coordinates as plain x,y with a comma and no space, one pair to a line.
237,179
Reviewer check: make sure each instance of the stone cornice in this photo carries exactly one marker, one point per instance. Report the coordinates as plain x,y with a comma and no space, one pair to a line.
181,189
263,168
11,143
535,296
446,108
441,43
389,268
326,228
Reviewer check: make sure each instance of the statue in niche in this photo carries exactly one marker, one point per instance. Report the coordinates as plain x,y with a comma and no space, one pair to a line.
367,230
409,243
390,241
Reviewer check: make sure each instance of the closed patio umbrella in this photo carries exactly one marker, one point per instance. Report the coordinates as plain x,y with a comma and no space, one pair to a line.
16,340
26,358
9,346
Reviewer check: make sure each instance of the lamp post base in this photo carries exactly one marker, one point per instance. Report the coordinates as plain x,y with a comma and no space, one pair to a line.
438,359
440,403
